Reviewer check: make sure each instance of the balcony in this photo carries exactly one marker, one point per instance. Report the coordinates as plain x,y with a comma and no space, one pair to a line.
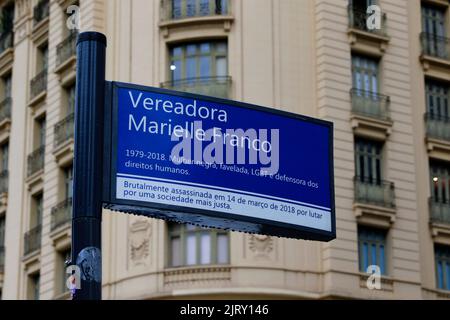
6,41
184,9
36,161
41,12
370,114
374,202
209,86
439,220
66,50
32,240
435,56
2,259
438,136
374,192
38,86
435,46
438,127
364,39
64,130
61,214
370,104
439,211
4,181
358,20
5,110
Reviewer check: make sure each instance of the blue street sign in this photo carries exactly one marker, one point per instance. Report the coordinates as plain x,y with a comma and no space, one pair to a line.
218,163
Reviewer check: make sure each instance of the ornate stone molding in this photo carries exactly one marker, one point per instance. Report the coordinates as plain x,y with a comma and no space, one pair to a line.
261,246
139,242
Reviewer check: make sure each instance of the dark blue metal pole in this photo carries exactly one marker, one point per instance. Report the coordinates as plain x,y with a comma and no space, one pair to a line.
88,163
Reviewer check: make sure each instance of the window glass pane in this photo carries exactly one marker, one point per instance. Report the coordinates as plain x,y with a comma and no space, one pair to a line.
177,72
190,8
205,254
204,7
205,66
191,68
222,248
221,66
191,49
175,246
205,48
176,8
365,257
2,231
221,47
440,275
447,277
177,52
191,249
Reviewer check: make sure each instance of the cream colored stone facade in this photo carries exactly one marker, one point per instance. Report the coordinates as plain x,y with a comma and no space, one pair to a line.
295,55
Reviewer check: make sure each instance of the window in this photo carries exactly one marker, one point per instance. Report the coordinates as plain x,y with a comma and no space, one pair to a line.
437,99
41,123
7,85
42,61
4,157
372,248
199,60
442,255
433,26
433,21
440,181
70,93
7,14
193,8
33,288
190,245
37,210
368,160
62,258
68,182
365,74
2,231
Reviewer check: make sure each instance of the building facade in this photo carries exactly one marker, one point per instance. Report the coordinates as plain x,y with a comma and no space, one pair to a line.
386,91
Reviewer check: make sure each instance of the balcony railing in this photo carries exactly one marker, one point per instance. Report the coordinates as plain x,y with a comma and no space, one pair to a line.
370,104
32,240
61,214
41,11
4,181
439,211
64,130
358,20
66,49
209,86
435,46
36,160
438,127
6,41
38,84
2,259
375,192
5,109
180,9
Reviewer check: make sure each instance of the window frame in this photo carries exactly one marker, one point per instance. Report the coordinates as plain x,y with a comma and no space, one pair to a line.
372,236
182,231
442,256
213,53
